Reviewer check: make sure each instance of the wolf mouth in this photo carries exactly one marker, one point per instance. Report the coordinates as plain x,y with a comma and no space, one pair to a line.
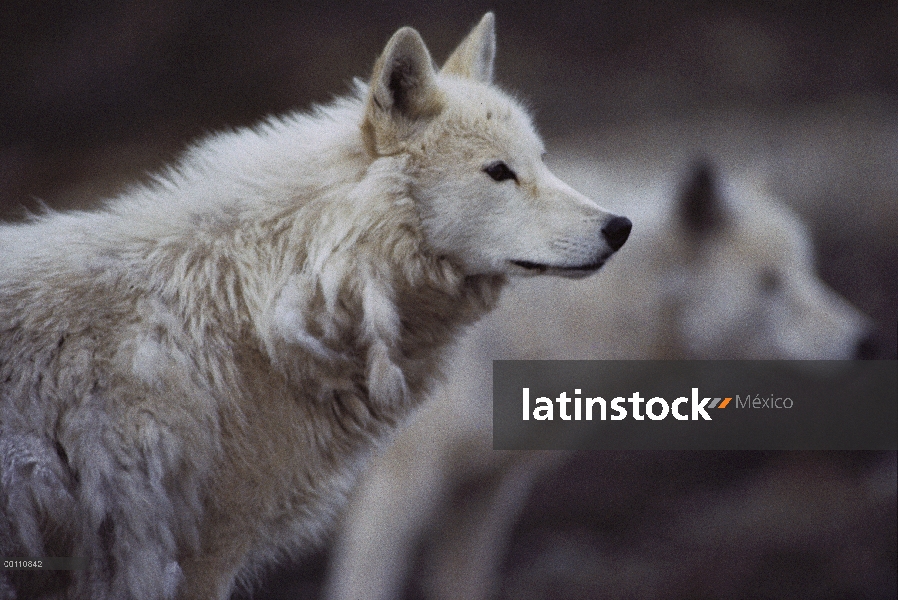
540,268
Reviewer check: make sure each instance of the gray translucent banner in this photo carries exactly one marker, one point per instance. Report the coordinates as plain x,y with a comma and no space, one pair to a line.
695,405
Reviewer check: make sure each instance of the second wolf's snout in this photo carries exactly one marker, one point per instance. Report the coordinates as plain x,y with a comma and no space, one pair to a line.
616,231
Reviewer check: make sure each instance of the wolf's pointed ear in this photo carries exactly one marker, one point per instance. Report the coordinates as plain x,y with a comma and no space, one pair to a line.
475,55
700,208
403,91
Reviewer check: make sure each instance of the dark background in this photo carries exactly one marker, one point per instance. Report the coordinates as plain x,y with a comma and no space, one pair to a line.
93,95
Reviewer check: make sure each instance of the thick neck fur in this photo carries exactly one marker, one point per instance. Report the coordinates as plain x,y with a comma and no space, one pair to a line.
286,255
307,264
291,307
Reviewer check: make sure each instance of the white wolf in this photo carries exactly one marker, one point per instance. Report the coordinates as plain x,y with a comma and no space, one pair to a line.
720,270
189,377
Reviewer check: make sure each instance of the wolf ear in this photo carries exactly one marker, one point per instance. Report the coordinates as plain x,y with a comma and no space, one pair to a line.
701,209
403,91
475,55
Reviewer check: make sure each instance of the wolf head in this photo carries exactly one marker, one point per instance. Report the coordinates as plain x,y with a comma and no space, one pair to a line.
486,200
749,289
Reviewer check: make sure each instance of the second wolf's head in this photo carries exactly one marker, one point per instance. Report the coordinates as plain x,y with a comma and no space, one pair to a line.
487,201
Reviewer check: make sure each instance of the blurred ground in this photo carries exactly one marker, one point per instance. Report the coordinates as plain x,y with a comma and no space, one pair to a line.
93,97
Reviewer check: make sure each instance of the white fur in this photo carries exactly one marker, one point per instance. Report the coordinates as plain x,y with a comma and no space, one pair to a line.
741,288
190,376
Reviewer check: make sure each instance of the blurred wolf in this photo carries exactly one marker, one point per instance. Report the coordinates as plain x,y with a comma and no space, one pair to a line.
719,270
189,377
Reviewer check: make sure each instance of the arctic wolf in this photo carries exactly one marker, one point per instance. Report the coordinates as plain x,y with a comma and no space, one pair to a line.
189,377
720,270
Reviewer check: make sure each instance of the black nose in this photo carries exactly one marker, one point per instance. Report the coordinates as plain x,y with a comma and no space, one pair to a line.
616,232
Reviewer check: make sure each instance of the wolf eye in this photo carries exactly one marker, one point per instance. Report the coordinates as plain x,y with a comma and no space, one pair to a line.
499,171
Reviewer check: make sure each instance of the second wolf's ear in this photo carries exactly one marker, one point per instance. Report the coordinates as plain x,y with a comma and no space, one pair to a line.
475,55
700,208
402,93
